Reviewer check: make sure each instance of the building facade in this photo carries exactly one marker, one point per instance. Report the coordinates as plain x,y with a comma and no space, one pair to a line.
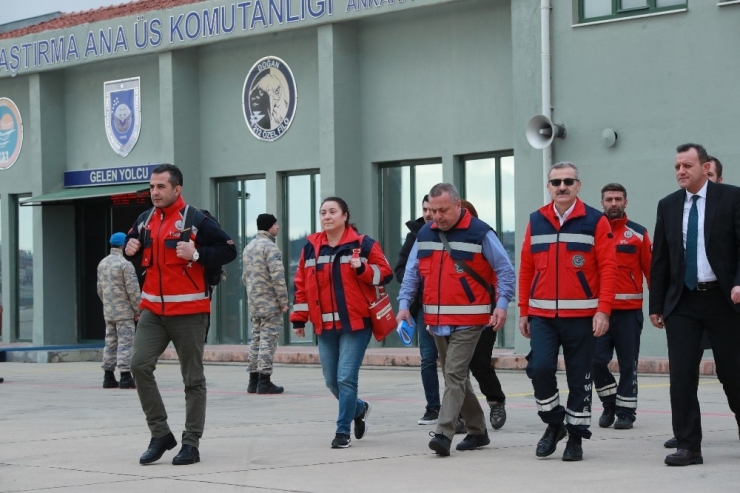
270,105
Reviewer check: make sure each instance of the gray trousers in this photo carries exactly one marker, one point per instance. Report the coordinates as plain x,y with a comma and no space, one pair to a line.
187,333
455,353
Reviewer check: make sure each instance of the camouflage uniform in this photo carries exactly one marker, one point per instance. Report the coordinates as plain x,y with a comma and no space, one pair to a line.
264,277
119,291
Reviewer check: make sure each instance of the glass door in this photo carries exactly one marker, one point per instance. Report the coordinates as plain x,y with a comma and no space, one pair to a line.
238,203
302,196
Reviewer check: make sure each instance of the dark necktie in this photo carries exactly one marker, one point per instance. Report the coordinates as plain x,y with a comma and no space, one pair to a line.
692,237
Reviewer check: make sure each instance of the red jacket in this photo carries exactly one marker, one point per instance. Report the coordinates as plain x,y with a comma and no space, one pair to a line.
451,296
569,270
634,253
328,291
174,286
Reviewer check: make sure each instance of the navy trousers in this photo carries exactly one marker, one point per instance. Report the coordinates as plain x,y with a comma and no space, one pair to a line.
575,335
625,328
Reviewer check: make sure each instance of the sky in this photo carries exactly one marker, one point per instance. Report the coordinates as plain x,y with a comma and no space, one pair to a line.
14,10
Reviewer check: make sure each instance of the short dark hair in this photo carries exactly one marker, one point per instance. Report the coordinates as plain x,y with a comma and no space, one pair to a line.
703,156
613,187
718,165
425,199
174,171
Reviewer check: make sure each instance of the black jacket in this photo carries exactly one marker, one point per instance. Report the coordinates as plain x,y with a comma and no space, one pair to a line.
403,257
722,245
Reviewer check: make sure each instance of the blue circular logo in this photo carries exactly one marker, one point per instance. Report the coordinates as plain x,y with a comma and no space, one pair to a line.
11,133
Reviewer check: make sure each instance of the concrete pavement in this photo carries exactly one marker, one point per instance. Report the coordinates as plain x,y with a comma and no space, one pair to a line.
62,432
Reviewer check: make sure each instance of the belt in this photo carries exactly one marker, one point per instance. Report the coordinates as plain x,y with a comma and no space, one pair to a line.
706,286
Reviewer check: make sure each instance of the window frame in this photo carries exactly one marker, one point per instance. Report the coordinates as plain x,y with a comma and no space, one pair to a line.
619,13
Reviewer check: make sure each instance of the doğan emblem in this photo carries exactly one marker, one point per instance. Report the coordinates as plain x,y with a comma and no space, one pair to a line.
123,114
269,98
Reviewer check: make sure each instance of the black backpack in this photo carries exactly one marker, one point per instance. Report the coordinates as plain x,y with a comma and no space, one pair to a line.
193,218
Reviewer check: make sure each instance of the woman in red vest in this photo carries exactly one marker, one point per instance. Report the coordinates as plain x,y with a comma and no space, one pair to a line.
336,280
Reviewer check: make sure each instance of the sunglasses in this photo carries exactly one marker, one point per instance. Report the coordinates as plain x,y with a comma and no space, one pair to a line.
555,182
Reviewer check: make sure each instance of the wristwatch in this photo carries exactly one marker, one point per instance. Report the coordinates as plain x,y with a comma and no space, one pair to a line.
196,256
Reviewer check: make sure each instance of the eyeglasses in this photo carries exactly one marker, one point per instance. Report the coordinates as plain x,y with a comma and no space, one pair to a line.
555,182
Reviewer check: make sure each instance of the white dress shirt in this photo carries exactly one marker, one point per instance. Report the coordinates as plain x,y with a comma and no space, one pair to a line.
705,272
570,209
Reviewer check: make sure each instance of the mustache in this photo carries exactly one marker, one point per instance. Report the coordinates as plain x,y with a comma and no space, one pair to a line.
563,192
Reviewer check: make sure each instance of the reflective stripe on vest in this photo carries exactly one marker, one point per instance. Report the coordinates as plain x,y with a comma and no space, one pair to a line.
455,245
330,317
564,238
327,259
300,307
564,304
376,274
628,296
457,309
175,298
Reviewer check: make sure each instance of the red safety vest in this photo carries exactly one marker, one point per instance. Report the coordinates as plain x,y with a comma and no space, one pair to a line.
328,291
570,270
634,253
172,286
451,296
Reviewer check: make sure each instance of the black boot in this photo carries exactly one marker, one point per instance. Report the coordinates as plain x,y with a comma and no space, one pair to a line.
127,381
254,378
109,380
265,386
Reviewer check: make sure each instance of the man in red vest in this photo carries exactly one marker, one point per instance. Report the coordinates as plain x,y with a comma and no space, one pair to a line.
175,307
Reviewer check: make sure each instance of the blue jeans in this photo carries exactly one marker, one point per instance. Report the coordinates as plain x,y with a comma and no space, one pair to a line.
429,375
341,355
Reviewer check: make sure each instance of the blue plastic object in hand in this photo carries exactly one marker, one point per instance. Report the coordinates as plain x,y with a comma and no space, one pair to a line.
405,332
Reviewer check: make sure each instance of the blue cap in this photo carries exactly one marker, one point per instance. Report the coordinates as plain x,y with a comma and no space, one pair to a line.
118,239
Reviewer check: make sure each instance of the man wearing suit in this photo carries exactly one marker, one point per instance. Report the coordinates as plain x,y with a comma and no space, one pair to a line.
695,287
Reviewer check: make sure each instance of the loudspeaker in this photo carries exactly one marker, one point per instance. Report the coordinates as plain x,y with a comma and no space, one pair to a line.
541,131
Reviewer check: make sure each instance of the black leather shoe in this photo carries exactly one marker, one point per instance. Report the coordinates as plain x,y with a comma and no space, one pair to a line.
549,441
684,457
157,447
472,442
440,444
607,418
623,422
672,443
573,450
187,455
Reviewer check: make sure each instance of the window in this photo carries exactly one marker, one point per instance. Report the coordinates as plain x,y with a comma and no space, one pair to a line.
403,185
488,184
24,273
239,202
596,10
302,196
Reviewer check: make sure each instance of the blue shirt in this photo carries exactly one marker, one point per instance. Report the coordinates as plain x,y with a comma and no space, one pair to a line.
497,258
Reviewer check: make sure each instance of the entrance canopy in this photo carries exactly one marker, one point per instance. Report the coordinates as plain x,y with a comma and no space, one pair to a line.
69,194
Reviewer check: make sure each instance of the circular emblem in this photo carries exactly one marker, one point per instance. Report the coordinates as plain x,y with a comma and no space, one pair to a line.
178,224
628,234
458,269
269,98
11,133
578,260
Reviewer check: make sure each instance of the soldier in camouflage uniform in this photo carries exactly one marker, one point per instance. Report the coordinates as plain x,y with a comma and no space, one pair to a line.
264,277
119,291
